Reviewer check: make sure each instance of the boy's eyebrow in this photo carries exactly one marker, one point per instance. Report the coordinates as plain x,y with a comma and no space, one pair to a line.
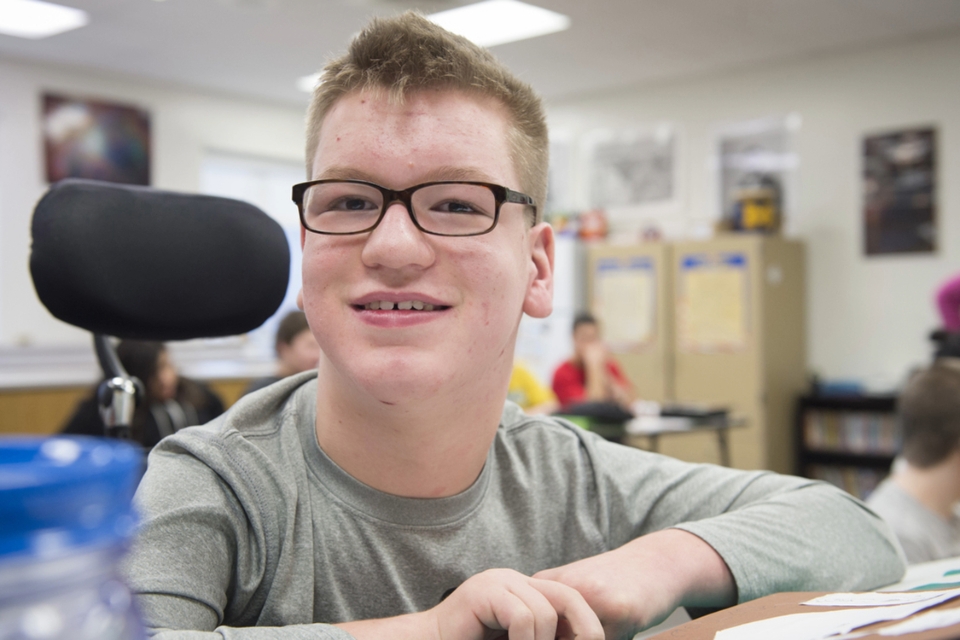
341,172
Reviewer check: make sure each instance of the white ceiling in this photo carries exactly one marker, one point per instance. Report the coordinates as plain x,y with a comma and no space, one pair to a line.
258,48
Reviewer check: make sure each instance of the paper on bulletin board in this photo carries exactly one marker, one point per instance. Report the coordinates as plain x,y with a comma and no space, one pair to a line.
625,302
712,302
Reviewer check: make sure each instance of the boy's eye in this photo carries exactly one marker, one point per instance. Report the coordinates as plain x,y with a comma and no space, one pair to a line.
351,203
456,207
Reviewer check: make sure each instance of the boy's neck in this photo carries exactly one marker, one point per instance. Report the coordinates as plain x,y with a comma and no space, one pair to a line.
937,487
415,451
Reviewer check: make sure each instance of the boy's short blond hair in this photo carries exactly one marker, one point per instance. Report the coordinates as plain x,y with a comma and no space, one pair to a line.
407,53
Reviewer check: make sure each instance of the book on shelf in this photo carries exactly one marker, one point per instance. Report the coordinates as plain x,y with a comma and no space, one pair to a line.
860,432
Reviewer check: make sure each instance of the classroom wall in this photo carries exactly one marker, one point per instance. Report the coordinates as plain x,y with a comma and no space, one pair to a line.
867,317
185,124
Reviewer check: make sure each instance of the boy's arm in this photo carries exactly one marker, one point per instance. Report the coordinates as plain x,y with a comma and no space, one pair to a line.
641,583
708,536
498,600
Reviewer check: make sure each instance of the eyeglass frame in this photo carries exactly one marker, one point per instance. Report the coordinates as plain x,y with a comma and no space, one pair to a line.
501,195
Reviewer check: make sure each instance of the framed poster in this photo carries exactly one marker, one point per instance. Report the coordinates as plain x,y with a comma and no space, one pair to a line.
96,140
755,166
899,192
632,167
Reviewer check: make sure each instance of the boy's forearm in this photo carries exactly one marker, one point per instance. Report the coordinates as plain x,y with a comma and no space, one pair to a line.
412,626
639,584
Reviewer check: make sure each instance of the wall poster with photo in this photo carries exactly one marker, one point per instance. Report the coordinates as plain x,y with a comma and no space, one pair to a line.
96,140
630,168
755,166
899,192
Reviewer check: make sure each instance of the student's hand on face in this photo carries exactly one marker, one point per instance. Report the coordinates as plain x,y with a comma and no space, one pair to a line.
502,603
595,353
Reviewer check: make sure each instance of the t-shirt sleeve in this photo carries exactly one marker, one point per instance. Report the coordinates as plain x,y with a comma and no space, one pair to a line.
775,532
198,562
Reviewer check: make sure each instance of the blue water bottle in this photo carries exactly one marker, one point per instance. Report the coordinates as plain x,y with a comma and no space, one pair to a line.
65,522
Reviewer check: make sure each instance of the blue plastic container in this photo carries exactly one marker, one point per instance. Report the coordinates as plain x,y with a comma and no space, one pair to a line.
65,522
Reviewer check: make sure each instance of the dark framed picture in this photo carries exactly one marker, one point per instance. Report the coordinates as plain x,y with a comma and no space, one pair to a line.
899,192
94,139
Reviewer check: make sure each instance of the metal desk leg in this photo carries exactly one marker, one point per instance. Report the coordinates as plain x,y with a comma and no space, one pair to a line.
724,446
654,442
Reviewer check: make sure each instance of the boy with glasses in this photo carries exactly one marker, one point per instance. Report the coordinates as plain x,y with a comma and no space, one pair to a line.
393,494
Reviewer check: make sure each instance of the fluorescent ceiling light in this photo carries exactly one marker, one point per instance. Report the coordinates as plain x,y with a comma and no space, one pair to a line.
35,19
308,83
496,22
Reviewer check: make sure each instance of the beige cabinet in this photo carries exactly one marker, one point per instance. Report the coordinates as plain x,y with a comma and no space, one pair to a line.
630,295
729,331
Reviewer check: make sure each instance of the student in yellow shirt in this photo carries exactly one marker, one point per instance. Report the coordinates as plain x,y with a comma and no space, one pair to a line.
532,396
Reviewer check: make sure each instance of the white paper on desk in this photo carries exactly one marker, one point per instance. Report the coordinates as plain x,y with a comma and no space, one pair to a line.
823,624
923,622
657,424
873,599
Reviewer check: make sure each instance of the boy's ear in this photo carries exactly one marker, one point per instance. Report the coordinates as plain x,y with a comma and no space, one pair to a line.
538,302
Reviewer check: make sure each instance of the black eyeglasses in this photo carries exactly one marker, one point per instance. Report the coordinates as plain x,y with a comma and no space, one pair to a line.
344,207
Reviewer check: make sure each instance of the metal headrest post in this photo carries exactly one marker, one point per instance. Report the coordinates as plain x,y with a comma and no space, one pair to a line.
118,395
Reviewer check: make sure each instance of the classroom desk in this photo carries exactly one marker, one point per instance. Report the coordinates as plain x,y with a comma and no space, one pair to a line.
652,427
945,574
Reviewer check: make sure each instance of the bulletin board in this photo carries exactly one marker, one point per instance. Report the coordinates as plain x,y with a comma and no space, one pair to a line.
713,302
625,300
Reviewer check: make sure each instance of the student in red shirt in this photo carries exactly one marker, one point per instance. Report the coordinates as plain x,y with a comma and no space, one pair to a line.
592,374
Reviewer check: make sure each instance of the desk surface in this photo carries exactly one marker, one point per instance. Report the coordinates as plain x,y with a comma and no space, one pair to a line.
781,604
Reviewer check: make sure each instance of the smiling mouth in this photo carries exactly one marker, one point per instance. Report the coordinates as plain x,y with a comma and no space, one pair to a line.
407,305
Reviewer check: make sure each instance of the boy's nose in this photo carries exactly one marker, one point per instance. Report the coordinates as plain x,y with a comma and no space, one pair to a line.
397,242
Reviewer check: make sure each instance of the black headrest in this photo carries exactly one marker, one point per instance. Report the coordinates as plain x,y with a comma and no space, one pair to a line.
141,263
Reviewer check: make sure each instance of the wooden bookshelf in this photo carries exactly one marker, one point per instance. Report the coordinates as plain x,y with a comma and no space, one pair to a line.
849,441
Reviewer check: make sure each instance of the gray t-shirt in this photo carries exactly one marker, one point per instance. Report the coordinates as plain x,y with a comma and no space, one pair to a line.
924,535
247,523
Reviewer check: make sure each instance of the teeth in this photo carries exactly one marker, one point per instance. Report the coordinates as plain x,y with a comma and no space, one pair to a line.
406,305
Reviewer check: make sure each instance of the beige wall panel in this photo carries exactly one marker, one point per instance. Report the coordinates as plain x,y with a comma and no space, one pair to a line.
691,447
44,411
37,411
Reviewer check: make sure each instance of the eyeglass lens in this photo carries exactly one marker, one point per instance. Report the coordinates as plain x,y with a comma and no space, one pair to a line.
449,208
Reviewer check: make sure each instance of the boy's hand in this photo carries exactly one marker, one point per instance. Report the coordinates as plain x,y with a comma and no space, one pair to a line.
641,583
499,603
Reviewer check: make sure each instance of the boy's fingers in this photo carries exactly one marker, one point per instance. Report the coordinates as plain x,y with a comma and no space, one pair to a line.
581,621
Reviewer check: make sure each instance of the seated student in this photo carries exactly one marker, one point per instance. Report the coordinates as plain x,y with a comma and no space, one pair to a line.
921,497
591,374
171,402
297,350
525,390
393,493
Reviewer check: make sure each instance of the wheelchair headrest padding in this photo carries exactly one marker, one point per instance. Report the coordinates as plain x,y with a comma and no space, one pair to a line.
141,263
